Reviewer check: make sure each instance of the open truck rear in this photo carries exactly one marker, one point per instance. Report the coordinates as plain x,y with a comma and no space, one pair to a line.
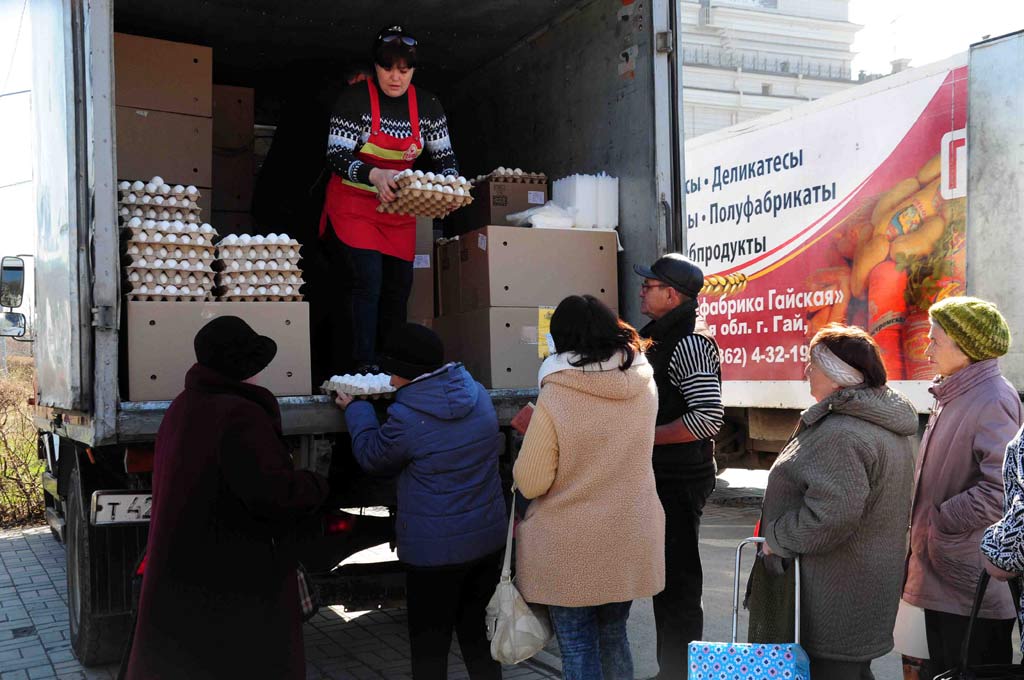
864,208
556,85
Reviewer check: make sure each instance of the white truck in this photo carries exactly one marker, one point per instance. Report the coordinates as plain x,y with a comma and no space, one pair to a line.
863,207
559,85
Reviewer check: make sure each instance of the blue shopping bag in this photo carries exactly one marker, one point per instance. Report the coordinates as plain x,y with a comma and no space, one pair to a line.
741,661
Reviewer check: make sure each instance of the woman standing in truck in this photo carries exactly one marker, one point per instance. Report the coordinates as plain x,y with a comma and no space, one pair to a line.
375,133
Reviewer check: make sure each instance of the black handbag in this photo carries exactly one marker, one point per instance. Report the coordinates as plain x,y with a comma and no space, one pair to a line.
985,672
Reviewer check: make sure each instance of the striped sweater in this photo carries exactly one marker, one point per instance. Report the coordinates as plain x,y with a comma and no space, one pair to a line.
351,124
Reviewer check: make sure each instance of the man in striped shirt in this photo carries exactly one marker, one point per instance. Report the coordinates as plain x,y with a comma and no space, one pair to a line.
688,373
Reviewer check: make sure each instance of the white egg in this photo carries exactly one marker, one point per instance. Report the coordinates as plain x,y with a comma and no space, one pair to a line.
288,290
200,291
251,290
500,170
193,228
293,279
124,211
262,290
184,240
459,191
157,263
275,290
162,278
133,250
142,237
165,215
171,238
244,239
160,253
260,264
234,265
152,188
192,278
178,189
292,252
184,203
447,189
186,265
251,253
138,185
171,201
143,288
157,180
279,278
124,186
237,290
149,224
157,237
517,171
248,266
171,263
228,240
256,239
135,223
239,253
462,180
130,198
271,238
416,184
429,176
207,229
176,253
191,190
192,253
419,174
284,238
277,253
171,290
164,189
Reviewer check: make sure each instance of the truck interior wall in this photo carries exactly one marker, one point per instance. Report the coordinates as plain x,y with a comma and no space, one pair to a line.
558,103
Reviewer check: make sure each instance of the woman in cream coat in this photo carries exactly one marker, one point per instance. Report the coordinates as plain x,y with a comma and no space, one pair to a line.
593,538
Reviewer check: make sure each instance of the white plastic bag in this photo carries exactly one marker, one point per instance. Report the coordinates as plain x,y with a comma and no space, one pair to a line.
547,216
517,630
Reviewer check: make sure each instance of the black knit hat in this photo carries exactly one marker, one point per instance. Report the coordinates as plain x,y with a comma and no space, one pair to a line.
231,347
412,350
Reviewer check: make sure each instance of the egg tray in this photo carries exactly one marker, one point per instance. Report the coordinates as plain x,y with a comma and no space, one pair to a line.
202,251
193,216
424,203
511,176
404,182
330,386
158,202
196,266
150,297
259,298
263,278
283,264
156,236
180,278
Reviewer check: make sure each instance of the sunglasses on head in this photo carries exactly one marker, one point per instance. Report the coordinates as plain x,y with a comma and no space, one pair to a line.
393,38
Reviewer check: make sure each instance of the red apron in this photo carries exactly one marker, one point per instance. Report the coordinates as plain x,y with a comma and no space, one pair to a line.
352,207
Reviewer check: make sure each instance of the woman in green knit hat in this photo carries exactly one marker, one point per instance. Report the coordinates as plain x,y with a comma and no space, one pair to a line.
959,490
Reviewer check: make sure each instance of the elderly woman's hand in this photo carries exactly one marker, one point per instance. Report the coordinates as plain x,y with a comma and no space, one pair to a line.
384,180
343,400
997,573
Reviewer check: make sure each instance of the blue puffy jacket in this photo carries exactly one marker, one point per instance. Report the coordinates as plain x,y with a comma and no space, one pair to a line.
441,438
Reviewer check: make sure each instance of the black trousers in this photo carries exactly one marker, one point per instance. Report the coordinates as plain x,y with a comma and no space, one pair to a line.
372,295
677,609
990,644
443,599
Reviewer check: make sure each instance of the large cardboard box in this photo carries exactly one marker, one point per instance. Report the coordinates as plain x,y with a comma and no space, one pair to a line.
493,201
160,348
498,345
234,178
234,118
160,75
176,147
522,267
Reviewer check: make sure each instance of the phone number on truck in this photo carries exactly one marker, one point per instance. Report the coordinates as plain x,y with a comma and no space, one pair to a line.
773,354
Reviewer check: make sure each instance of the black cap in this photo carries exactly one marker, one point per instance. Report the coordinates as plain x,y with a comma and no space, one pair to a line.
231,347
675,270
412,350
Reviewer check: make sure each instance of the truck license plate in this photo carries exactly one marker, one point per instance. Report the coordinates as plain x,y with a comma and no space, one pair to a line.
120,507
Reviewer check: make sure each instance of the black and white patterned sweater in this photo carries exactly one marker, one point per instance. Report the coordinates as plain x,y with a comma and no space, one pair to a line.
1003,542
351,124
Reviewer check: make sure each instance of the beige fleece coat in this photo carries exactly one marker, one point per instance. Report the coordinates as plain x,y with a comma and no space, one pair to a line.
595,531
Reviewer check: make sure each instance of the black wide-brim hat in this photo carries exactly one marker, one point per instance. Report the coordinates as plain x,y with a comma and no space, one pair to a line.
231,347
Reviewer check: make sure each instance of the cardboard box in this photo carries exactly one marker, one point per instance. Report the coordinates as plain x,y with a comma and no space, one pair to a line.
498,345
160,75
234,117
522,267
424,235
176,147
230,222
160,348
421,300
234,178
493,201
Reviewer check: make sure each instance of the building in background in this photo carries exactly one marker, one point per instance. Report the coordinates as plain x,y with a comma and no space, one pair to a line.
747,58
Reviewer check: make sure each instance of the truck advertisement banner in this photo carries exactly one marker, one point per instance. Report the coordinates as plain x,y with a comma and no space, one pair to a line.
849,209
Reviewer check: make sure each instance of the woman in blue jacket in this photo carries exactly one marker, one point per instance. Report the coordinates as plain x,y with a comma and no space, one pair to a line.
441,438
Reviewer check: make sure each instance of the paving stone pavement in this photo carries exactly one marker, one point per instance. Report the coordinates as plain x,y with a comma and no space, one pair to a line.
34,627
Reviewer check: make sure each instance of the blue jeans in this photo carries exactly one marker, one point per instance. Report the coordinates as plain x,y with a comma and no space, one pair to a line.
593,641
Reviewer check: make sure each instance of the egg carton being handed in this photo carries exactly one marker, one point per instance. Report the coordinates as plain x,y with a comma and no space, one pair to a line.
417,179
373,386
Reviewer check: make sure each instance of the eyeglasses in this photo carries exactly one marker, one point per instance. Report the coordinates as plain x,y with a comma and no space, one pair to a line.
394,37
647,286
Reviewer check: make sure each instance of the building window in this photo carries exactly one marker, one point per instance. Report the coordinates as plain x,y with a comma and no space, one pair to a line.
766,89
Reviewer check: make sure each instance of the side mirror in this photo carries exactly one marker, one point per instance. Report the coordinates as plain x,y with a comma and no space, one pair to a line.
12,325
12,282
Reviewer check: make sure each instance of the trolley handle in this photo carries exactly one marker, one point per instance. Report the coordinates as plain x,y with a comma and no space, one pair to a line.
736,590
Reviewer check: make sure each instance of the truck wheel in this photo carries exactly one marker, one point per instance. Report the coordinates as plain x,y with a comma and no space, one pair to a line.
95,640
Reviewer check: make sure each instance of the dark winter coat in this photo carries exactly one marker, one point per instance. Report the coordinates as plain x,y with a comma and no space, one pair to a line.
441,438
219,596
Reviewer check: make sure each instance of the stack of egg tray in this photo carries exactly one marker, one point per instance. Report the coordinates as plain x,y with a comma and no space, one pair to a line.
258,269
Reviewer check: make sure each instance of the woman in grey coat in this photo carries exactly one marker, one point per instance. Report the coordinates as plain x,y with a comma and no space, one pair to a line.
838,496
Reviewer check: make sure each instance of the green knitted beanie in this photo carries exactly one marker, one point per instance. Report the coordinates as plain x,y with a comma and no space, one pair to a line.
976,326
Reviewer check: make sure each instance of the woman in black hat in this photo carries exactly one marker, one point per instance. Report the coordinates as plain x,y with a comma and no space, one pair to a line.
220,592
441,439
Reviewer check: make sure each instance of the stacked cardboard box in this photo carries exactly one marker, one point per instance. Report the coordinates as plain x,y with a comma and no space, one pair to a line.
164,98
494,199
421,300
497,285
233,158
